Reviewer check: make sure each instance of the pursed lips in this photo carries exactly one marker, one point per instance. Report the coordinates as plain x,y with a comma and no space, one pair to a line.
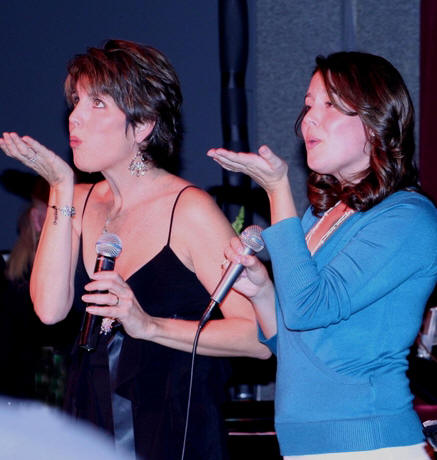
312,142
75,141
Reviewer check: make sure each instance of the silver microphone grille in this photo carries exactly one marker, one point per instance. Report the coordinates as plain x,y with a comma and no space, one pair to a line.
108,245
251,237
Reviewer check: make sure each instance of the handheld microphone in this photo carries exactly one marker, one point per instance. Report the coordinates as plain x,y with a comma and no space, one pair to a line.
108,248
252,242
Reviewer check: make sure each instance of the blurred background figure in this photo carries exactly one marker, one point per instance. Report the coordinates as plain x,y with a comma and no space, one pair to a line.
32,358
21,332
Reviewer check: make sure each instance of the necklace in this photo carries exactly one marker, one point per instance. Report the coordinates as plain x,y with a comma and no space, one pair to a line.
110,217
105,226
330,230
110,246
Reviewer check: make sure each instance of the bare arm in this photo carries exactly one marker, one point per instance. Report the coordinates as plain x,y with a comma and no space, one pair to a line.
51,280
235,335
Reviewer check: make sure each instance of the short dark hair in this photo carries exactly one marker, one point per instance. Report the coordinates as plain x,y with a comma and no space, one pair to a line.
143,84
370,87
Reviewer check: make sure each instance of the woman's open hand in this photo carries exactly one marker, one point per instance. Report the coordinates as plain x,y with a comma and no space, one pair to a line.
266,169
37,157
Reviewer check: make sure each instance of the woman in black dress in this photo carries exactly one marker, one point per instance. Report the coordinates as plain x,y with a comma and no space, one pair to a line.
124,123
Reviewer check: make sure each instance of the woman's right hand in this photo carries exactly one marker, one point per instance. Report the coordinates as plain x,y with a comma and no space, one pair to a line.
37,157
254,280
266,169
255,284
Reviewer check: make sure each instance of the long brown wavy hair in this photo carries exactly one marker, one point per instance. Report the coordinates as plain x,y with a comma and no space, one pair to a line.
371,88
20,261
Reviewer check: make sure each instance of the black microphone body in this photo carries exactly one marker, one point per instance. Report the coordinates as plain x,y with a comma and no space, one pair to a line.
108,248
252,242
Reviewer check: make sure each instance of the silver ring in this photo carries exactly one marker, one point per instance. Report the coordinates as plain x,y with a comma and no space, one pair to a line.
118,300
33,157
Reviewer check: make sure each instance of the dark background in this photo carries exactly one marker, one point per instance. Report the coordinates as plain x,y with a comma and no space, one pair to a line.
38,39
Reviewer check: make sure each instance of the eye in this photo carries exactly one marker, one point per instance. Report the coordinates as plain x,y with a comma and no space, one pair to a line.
98,103
329,104
74,99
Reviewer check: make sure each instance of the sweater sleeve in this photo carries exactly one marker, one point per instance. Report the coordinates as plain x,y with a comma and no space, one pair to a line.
271,343
392,244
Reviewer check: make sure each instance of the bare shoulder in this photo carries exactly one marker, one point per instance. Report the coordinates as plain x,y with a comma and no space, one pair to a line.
201,233
198,210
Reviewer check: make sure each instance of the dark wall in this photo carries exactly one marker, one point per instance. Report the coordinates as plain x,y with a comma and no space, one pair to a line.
291,33
37,40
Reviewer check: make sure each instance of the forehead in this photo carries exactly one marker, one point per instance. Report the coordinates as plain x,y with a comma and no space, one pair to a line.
316,86
83,86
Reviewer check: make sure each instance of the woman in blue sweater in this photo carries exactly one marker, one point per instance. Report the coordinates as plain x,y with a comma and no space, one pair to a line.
352,276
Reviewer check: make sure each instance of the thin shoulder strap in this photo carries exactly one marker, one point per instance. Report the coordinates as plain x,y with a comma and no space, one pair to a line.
86,199
173,210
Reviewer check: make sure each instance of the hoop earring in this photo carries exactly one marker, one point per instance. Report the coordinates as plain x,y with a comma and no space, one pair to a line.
138,166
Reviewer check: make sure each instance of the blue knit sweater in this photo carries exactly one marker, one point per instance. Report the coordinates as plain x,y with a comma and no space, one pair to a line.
346,319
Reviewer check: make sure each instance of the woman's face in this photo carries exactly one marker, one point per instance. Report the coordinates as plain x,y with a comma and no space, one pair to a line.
336,143
98,135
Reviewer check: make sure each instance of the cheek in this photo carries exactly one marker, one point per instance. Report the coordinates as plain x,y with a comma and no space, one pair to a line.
357,137
350,132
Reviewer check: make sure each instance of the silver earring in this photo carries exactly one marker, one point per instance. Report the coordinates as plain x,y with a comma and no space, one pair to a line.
138,166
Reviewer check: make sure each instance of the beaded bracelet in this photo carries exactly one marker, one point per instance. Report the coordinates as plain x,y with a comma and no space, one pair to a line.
67,211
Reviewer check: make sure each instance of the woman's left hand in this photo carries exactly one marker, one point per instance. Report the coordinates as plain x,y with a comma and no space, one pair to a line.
118,303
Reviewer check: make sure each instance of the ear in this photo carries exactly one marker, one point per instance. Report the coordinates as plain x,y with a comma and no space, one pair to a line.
142,130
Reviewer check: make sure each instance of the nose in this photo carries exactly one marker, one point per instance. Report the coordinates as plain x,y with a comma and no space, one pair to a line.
75,118
310,118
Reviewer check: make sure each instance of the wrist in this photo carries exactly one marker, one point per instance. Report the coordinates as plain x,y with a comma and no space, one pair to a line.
281,202
266,293
65,211
64,186
151,328
279,188
62,194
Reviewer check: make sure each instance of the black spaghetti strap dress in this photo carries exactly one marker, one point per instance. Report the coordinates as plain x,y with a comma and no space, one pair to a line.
137,390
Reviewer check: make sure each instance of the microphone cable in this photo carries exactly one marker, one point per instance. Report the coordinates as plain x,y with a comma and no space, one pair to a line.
252,242
190,387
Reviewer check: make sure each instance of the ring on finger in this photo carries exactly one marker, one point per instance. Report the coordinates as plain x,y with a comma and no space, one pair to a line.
224,264
118,300
34,155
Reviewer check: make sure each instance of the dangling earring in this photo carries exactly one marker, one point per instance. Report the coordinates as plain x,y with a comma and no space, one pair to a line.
138,166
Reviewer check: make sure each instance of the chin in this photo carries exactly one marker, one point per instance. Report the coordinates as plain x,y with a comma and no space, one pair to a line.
319,169
84,167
